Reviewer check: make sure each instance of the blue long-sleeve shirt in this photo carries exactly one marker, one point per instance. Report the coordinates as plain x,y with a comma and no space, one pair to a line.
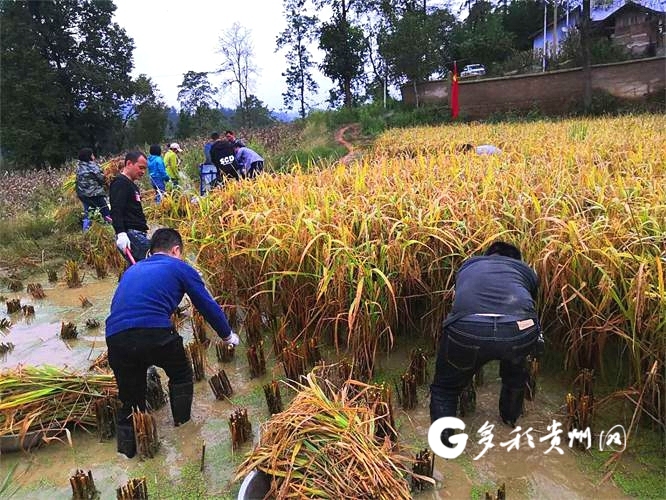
150,290
157,169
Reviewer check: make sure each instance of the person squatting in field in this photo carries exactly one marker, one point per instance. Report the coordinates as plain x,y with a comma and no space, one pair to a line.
129,221
139,332
493,318
91,187
250,163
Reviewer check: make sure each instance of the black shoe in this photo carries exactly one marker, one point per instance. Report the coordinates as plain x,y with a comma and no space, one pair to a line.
180,398
125,439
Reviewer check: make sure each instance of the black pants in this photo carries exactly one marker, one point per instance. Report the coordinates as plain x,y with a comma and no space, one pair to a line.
465,346
131,353
256,167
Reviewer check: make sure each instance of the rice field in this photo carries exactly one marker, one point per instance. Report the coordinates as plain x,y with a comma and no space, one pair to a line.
363,256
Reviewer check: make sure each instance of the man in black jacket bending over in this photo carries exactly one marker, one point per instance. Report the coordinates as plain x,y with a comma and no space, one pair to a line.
493,317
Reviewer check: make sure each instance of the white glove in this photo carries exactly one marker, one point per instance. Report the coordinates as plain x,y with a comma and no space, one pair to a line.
122,241
232,339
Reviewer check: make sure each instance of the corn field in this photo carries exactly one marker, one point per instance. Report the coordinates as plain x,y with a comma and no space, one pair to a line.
361,256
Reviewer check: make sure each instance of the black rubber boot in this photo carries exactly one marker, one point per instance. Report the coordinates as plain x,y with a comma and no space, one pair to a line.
125,439
180,398
511,404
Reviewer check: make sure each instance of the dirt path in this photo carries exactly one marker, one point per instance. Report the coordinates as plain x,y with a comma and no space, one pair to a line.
354,130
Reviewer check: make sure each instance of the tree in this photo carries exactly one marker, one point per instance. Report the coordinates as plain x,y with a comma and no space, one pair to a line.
300,31
196,91
522,18
65,72
481,38
253,113
417,44
237,53
344,45
146,116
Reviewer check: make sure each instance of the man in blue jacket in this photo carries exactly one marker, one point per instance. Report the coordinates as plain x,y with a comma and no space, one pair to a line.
250,163
139,332
493,317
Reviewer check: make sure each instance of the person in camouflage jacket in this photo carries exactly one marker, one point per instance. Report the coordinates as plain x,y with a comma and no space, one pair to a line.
90,187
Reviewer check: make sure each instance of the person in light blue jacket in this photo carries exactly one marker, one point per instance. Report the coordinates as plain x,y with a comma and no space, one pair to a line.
250,163
157,171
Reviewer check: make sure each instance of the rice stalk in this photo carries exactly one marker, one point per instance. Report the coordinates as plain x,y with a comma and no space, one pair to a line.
83,486
134,489
326,448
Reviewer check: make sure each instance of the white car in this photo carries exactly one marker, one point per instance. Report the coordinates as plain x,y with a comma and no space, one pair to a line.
473,70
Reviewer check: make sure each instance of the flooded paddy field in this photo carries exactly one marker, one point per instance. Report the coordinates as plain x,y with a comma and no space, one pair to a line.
178,470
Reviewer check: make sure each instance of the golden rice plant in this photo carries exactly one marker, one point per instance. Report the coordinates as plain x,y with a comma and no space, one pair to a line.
73,276
326,447
364,256
46,397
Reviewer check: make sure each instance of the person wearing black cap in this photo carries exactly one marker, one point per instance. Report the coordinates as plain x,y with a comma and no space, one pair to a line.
493,318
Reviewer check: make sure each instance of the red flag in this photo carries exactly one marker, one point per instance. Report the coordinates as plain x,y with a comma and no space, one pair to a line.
455,106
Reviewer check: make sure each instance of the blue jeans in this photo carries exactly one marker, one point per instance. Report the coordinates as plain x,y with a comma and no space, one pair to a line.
468,344
160,188
95,202
139,245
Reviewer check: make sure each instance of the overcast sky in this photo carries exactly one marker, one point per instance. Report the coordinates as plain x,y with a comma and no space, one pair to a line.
172,37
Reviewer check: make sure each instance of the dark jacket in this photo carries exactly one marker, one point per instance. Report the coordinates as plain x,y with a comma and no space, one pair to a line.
222,156
497,285
126,210
89,179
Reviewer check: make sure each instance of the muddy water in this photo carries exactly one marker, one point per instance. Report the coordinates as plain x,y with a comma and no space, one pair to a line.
175,471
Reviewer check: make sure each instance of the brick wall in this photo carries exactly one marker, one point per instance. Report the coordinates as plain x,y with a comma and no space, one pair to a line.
552,92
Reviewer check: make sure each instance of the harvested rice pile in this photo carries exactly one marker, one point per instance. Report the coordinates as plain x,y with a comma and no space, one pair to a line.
322,447
45,397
